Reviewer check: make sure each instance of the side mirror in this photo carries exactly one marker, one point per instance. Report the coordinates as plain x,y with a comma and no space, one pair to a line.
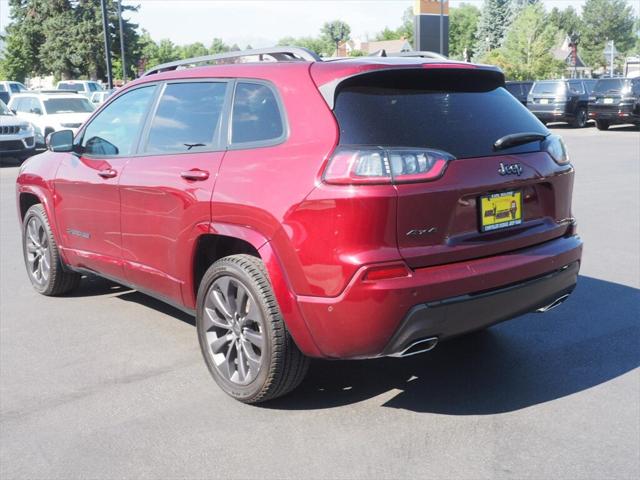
61,141
14,111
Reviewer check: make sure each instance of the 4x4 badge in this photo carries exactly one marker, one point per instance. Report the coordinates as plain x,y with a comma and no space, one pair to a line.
510,169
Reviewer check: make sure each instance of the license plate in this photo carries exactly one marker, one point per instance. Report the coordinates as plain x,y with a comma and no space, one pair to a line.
500,210
608,100
544,101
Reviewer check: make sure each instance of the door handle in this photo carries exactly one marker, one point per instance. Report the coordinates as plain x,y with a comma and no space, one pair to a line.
107,173
196,175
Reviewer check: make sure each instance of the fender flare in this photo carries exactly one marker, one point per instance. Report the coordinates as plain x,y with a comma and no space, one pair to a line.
280,284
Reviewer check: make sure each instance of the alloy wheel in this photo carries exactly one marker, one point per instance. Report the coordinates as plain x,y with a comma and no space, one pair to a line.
38,251
234,330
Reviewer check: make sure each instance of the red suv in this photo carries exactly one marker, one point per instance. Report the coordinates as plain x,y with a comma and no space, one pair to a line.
305,208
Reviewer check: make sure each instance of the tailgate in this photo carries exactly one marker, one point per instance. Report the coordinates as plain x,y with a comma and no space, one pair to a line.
440,222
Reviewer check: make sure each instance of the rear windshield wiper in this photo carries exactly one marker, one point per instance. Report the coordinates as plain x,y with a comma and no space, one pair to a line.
514,139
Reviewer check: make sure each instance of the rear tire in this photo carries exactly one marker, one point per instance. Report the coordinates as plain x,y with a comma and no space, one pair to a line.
41,257
602,125
243,338
581,118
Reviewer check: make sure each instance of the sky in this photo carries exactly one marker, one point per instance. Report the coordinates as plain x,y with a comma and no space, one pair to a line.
262,23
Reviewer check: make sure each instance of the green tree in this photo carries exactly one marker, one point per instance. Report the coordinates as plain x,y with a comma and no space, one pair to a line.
192,50
492,26
568,20
463,24
606,20
406,29
315,44
336,32
387,34
525,54
218,46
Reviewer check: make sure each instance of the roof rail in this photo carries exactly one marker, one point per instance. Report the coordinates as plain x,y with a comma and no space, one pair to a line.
280,54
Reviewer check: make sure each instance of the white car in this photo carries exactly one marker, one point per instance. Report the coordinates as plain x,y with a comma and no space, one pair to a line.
10,88
83,87
16,136
51,110
98,98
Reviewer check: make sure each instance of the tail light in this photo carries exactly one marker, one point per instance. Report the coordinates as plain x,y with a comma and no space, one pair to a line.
555,147
377,165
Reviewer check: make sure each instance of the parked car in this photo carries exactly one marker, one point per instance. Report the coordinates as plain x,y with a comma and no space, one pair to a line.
305,208
51,110
98,98
520,90
560,101
83,87
10,88
16,136
615,101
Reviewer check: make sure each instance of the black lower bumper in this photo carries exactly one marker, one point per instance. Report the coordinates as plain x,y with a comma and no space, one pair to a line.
455,316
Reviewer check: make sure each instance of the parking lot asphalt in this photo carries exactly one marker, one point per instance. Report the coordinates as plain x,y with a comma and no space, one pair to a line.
108,383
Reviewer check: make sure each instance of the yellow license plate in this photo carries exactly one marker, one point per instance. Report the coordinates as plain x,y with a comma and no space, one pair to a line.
500,210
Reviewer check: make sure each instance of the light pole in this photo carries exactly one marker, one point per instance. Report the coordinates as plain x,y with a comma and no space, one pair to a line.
107,47
441,27
124,63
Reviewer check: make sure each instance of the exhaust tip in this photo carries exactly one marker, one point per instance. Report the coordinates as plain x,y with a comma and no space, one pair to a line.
419,346
553,304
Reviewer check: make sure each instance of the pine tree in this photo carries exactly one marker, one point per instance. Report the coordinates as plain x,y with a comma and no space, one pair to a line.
492,26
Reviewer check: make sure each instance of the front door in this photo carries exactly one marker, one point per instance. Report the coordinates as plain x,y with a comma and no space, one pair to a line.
166,189
86,185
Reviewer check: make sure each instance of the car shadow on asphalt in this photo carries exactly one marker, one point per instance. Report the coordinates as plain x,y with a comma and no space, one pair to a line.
592,338
612,128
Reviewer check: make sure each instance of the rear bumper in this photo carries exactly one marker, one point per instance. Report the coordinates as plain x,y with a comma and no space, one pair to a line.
554,116
454,316
614,114
370,319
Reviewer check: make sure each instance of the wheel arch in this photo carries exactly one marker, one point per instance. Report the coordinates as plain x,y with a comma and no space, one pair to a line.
221,240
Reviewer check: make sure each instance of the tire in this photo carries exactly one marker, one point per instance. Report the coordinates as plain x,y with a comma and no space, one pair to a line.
41,257
602,125
581,118
243,338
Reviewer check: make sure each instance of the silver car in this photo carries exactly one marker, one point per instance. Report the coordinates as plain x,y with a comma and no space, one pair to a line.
17,137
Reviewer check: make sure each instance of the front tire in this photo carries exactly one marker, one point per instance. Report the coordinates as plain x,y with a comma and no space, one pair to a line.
242,335
602,125
41,256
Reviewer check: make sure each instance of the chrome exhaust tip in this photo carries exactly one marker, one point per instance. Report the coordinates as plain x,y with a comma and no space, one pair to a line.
419,346
553,304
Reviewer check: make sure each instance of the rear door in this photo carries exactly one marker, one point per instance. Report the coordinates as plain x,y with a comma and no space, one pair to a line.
166,188
86,184
456,112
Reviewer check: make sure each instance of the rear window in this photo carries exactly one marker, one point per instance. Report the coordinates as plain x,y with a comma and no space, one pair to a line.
460,113
72,87
609,85
67,105
548,87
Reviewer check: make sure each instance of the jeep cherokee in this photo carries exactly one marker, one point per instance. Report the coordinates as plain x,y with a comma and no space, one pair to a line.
304,208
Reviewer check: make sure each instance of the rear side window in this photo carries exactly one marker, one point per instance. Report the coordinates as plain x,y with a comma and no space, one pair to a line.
547,88
92,87
114,131
256,115
450,111
187,118
576,87
2,88
15,88
72,87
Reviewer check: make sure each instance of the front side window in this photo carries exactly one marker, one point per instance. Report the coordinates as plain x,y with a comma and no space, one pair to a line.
256,114
114,131
15,88
187,118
